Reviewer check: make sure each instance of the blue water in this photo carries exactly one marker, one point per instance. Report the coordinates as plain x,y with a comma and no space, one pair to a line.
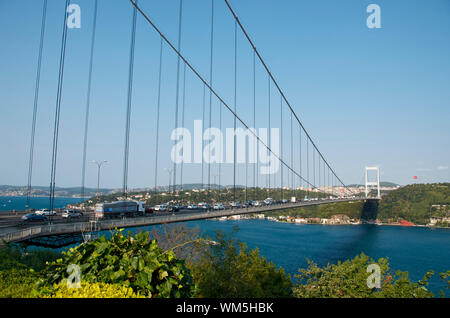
412,249
19,203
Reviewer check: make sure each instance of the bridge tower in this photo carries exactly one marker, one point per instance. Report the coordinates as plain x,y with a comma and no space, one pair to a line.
371,184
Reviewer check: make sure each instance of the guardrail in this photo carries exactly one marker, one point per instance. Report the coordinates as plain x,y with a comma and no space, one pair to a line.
101,225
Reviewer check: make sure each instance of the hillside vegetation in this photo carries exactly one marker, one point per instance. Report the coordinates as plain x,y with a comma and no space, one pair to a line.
415,203
351,209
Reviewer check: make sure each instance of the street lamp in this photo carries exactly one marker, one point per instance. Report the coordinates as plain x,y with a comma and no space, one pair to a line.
99,164
169,171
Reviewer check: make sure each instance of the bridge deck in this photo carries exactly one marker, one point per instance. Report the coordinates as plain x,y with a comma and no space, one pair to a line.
12,234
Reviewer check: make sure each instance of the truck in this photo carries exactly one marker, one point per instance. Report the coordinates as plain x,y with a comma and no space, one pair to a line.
119,209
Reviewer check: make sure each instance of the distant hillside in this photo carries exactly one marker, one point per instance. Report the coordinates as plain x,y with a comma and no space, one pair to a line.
7,190
385,184
414,202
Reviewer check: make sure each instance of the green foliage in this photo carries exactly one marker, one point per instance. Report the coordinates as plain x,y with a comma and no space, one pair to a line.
12,256
9,258
17,279
91,290
445,277
134,262
349,279
351,209
414,202
17,283
230,270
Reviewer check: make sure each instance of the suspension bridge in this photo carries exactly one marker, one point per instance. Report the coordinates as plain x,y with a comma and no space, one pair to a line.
285,142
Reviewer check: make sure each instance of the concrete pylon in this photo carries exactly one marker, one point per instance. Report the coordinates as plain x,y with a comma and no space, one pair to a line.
370,184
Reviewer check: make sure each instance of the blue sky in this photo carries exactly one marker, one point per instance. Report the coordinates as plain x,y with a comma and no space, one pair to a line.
366,96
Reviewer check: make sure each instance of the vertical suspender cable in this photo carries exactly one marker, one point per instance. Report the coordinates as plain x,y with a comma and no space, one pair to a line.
177,92
203,129
255,167
182,119
281,145
128,115
314,167
319,176
158,106
307,166
220,128
88,100
210,92
58,107
36,99
292,153
196,73
235,110
300,155
279,89
269,134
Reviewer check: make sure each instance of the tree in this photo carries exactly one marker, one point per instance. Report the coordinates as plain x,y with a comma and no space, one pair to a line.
349,279
230,270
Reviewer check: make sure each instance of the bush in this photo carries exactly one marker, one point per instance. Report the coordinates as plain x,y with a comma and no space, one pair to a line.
230,270
15,256
91,290
17,283
349,279
133,262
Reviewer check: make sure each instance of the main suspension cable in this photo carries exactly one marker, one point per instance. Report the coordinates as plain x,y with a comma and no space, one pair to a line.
88,100
278,87
36,99
58,107
206,85
130,93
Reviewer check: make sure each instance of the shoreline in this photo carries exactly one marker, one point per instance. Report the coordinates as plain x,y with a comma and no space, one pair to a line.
38,196
340,224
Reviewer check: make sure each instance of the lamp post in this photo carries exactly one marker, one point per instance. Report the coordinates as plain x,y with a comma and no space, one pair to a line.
99,165
169,171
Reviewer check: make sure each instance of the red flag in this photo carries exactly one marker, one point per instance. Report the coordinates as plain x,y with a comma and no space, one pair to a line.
415,177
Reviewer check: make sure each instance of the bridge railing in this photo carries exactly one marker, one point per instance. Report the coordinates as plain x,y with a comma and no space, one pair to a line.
83,227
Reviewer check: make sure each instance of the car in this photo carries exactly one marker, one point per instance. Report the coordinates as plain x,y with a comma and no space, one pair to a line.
204,206
33,217
71,214
173,208
191,207
45,212
258,203
235,204
284,201
161,207
268,201
219,206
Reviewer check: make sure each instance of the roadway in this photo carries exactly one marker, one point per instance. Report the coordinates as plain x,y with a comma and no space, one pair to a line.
11,232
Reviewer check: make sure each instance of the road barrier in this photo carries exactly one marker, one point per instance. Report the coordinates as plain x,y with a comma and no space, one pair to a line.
101,225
